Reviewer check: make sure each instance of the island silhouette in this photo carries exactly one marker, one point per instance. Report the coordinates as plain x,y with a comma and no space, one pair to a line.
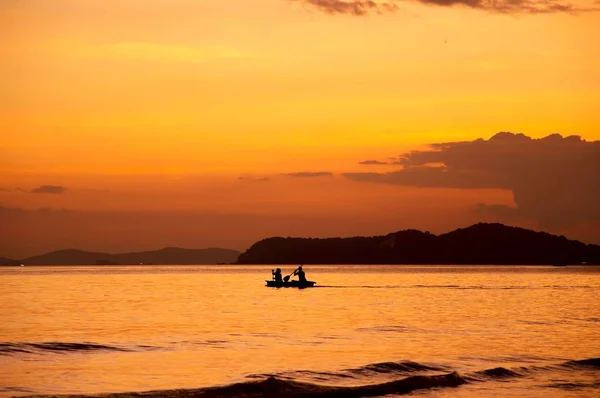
479,244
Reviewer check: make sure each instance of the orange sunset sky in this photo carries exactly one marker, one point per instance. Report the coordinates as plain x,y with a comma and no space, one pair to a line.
136,124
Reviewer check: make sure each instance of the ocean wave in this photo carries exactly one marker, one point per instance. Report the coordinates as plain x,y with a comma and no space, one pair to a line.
405,368
310,375
574,386
389,369
395,367
502,372
583,363
277,387
386,329
287,384
532,322
496,373
10,389
62,347
208,343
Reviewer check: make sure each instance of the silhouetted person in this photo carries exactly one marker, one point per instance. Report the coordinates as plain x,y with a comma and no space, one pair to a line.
300,273
277,275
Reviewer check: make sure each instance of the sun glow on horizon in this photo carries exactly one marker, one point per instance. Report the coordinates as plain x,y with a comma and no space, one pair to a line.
274,106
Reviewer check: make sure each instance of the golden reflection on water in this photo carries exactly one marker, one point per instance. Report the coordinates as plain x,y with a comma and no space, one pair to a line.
190,327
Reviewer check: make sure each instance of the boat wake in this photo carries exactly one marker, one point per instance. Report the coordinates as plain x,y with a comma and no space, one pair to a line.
457,287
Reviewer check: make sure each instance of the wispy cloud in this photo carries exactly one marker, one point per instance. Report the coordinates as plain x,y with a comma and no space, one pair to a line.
364,7
309,174
372,162
49,189
353,7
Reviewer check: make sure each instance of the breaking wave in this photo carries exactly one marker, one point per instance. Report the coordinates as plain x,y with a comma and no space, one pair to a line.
278,387
286,384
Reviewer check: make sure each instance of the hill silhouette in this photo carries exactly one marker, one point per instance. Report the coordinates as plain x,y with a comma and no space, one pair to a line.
166,256
176,255
481,243
8,261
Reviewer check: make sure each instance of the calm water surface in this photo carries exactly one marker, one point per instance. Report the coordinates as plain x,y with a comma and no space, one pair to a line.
85,330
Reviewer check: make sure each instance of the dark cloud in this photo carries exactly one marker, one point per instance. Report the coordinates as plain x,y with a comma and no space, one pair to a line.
432,177
369,162
308,174
254,179
49,189
364,7
554,180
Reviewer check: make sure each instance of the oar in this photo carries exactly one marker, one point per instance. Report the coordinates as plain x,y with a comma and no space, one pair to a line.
287,277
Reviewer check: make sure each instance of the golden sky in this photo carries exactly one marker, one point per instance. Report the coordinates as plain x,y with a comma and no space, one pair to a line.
162,105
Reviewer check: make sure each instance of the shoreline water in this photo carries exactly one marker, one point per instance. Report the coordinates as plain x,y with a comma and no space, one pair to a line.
94,331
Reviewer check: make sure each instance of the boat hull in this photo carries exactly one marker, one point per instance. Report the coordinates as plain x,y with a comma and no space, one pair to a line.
291,284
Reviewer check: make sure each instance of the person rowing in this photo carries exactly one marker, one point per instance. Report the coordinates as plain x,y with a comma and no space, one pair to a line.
298,271
301,274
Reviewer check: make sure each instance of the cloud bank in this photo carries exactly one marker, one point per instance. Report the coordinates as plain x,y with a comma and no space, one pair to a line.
364,7
554,180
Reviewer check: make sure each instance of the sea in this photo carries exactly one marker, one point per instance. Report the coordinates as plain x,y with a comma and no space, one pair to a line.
218,331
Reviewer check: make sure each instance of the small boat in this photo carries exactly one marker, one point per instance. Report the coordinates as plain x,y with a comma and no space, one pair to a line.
297,284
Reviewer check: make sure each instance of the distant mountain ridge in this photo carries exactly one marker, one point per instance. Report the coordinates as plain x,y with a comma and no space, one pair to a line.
166,256
478,244
482,243
9,261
